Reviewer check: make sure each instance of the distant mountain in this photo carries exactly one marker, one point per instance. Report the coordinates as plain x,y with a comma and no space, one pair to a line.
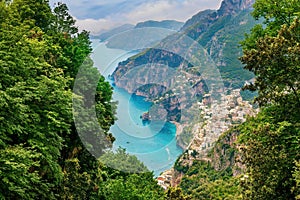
218,32
104,36
118,43
168,24
144,34
202,15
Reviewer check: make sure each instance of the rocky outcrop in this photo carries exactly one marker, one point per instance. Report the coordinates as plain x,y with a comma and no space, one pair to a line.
201,22
225,153
202,16
145,117
234,6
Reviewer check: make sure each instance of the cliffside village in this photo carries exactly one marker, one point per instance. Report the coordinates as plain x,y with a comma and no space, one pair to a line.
217,117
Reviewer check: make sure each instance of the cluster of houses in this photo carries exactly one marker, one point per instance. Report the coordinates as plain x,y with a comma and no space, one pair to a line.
217,117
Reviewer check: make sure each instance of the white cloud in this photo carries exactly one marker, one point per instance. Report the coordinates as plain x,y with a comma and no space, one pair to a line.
136,11
95,26
164,9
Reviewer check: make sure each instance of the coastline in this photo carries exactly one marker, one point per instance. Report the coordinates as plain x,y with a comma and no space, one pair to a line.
179,130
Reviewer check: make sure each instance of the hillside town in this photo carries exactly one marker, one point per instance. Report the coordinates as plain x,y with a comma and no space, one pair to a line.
216,118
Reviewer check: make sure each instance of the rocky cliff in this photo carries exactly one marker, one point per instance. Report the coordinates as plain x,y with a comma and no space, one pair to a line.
234,6
201,22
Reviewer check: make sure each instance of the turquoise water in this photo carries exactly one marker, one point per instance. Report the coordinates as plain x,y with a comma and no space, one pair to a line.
155,143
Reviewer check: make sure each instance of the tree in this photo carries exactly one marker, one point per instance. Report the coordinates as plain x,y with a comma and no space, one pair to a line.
270,141
36,108
38,13
18,177
276,64
274,14
41,153
202,181
130,186
175,194
296,176
270,146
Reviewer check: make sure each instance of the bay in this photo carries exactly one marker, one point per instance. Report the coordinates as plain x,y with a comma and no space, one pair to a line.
154,144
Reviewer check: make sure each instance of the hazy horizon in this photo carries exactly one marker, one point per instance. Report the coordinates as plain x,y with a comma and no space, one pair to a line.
99,16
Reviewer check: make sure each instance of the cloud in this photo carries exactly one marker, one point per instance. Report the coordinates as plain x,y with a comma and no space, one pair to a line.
99,15
96,26
177,10
96,9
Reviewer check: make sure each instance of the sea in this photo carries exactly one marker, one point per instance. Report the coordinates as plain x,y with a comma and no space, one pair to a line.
152,143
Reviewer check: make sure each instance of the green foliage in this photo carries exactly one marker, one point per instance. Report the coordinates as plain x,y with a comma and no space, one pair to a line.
122,161
175,194
179,166
271,52
202,181
63,21
36,106
120,185
296,176
275,62
276,12
19,175
37,13
270,146
79,183
41,154
270,141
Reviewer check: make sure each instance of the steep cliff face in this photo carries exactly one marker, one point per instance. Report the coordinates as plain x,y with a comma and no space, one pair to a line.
225,153
234,6
139,67
202,16
201,22
228,7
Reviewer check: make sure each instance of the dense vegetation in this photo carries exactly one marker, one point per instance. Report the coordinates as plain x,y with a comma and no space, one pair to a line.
41,154
266,147
202,181
271,141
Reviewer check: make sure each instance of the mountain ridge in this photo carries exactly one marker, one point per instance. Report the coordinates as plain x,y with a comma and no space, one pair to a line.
164,24
212,33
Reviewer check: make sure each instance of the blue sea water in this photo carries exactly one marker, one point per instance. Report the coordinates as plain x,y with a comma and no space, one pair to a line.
155,143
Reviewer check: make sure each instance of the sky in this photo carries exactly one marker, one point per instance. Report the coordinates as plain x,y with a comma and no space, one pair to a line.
98,16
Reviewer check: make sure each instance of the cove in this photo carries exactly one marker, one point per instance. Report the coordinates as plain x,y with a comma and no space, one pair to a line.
154,144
